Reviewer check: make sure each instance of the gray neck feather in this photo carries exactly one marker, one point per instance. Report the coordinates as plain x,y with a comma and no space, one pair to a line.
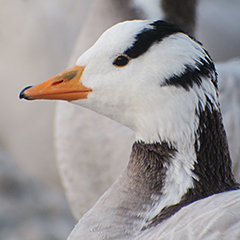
122,210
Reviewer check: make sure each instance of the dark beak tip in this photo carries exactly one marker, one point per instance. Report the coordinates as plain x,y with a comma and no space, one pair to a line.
22,94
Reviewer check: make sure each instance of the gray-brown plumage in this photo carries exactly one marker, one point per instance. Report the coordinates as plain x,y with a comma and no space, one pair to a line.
181,153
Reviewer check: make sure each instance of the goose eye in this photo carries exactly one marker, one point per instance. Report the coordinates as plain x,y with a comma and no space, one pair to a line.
121,61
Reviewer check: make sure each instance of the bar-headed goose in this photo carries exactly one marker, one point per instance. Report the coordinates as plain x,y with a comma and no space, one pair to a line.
161,83
87,174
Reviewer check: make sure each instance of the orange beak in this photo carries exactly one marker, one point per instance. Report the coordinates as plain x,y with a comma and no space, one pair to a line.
64,86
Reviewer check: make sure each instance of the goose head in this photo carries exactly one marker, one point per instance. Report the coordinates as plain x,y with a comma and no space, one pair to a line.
149,76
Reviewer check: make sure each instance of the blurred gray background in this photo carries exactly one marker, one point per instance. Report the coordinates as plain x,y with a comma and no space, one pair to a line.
36,40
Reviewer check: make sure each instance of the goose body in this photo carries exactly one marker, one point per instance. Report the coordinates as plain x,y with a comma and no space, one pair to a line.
162,84
215,217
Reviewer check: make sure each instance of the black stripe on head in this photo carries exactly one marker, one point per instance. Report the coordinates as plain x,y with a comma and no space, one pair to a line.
148,36
193,74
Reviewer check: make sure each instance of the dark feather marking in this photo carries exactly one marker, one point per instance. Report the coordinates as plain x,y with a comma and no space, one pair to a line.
213,166
193,75
146,165
148,36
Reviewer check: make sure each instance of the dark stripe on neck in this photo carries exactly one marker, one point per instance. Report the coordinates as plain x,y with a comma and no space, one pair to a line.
146,166
148,36
213,166
193,74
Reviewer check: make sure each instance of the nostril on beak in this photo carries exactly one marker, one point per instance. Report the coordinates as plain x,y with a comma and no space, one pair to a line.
57,82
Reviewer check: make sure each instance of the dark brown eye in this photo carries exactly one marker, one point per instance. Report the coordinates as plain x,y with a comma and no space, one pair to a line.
121,61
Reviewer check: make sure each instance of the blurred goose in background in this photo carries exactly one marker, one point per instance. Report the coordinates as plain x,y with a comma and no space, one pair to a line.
153,78
90,146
